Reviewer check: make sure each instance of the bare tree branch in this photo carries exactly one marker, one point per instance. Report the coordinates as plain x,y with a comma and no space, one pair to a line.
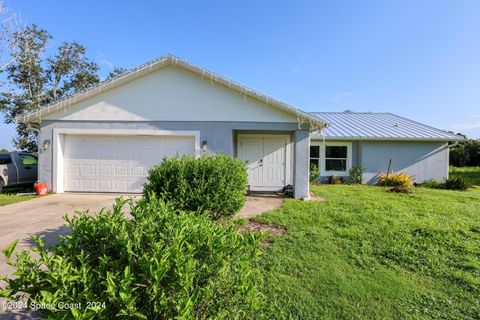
11,26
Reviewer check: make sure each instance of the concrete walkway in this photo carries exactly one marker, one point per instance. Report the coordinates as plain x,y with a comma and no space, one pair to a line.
259,203
44,216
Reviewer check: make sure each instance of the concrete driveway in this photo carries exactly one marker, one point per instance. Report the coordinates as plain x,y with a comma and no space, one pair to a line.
44,216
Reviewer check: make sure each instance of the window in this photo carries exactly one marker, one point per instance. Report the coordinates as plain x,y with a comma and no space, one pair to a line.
28,159
336,158
315,156
5,159
331,158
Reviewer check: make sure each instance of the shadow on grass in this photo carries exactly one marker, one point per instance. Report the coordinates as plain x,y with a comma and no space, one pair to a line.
15,190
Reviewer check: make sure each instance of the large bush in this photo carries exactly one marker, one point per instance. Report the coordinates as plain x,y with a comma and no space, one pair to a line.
214,184
466,153
160,264
356,175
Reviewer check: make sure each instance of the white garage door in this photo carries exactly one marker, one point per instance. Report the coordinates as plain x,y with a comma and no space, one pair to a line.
116,163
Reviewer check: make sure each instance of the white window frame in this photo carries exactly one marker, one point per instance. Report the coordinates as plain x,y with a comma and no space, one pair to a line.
319,160
322,160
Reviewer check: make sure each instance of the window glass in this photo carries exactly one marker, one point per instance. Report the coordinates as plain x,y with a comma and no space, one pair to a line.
5,159
315,156
335,152
28,159
315,152
315,162
336,164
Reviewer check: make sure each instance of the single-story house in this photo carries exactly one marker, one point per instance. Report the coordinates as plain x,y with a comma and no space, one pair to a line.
377,142
105,138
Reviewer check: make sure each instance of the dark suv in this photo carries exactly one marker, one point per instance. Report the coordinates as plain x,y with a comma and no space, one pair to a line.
17,169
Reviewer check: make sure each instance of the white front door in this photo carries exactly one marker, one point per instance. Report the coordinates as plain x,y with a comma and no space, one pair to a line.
266,158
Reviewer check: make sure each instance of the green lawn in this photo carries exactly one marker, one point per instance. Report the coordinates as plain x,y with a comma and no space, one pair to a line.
470,173
366,253
6,198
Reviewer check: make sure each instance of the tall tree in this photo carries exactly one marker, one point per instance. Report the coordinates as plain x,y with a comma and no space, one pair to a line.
35,80
10,24
116,72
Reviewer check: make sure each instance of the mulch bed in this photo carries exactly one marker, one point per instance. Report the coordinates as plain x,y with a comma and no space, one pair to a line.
314,197
257,227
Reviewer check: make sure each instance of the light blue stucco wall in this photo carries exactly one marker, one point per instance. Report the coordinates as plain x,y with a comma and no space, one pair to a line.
422,160
220,137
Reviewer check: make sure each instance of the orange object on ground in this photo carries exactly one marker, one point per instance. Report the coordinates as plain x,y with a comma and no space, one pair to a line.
41,189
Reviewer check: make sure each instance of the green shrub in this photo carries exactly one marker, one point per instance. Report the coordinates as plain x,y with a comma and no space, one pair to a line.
314,172
355,175
432,184
213,184
161,264
394,179
456,183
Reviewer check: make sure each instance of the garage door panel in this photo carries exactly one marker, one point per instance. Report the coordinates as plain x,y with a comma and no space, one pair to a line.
105,169
117,163
105,185
121,170
89,184
89,168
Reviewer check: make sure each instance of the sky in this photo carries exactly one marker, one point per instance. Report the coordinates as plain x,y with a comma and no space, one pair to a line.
418,59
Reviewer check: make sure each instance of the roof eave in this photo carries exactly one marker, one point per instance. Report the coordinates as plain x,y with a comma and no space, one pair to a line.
35,117
418,139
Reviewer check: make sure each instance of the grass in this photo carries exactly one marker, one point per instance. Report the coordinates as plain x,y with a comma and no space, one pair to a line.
366,253
8,196
12,198
470,173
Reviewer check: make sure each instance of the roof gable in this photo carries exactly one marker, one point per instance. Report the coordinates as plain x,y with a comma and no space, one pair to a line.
204,97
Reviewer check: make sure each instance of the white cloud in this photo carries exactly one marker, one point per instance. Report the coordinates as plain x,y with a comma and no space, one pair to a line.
101,59
466,125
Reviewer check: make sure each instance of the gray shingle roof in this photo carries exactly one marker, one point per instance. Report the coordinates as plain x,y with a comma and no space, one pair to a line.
378,126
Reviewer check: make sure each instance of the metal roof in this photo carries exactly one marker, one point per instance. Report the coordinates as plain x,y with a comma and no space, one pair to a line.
377,126
164,61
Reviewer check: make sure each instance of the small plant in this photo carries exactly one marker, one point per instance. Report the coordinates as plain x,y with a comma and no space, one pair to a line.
356,175
161,264
395,179
457,183
401,189
314,172
211,184
432,184
335,180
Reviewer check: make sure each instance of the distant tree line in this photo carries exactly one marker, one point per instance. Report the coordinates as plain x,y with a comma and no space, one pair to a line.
29,78
466,153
